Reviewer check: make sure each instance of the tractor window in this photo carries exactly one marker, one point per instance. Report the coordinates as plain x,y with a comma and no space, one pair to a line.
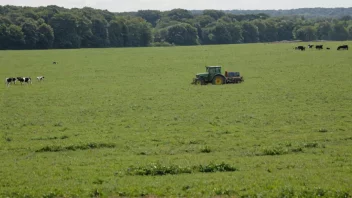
211,71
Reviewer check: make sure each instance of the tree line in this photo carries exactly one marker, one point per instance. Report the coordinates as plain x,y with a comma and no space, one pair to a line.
305,12
60,28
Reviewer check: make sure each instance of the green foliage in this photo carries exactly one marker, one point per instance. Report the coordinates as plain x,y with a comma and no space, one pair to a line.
29,29
179,14
250,32
11,37
93,28
156,169
204,20
45,36
306,33
182,34
339,32
215,14
151,16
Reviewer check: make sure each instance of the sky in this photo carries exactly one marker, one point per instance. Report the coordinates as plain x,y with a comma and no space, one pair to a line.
135,5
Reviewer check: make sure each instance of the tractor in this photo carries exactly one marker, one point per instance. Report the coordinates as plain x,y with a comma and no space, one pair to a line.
213,75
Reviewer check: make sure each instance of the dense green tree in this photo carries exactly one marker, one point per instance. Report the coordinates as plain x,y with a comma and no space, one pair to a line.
215,14
58,27
350,31
65,29
139,32
115,32
151,16
29,29
182,34
285,30
324,30
306,33
179,14
222,34
250,32
84,30
261,25
5,21
271,31
100,37
339,32
166,22
48,12
236,32
204,20
11,37
45,36
3,36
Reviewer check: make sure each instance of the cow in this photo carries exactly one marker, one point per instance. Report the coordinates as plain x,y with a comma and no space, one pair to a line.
310,46
24,80
328,48
20,79
40,78
300,48
55,62
343,47
319,47
10,80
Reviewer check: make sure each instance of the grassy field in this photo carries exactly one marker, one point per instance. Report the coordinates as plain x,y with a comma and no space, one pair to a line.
127,122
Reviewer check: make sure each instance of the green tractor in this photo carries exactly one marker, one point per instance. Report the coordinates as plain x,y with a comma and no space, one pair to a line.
213,75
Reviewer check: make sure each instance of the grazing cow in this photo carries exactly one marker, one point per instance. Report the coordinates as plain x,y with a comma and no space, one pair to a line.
55,62
343,47
24,80
20,79
40,78
319,47
10,80
328,48
310,46
302,48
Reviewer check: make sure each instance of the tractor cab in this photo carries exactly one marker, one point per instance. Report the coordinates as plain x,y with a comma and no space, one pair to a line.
213,70
210,72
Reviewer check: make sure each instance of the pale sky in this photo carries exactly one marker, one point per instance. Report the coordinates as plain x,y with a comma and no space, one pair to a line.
134,5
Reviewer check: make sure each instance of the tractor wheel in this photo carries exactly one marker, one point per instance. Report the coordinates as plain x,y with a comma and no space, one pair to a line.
219,80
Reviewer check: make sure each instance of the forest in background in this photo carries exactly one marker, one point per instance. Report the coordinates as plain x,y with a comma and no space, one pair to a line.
54,27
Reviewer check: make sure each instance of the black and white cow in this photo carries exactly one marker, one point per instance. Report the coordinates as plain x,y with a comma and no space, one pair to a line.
319,47
40,78
310,46
24,80
300,48
10,80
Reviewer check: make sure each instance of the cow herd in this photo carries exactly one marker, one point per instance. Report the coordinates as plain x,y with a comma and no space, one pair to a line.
22,80
320,47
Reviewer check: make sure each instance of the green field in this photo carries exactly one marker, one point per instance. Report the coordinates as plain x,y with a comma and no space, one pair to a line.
127,122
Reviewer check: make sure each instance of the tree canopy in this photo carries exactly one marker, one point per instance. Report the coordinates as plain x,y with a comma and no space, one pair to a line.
57,27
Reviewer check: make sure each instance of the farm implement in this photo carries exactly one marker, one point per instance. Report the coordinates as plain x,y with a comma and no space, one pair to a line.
213,75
